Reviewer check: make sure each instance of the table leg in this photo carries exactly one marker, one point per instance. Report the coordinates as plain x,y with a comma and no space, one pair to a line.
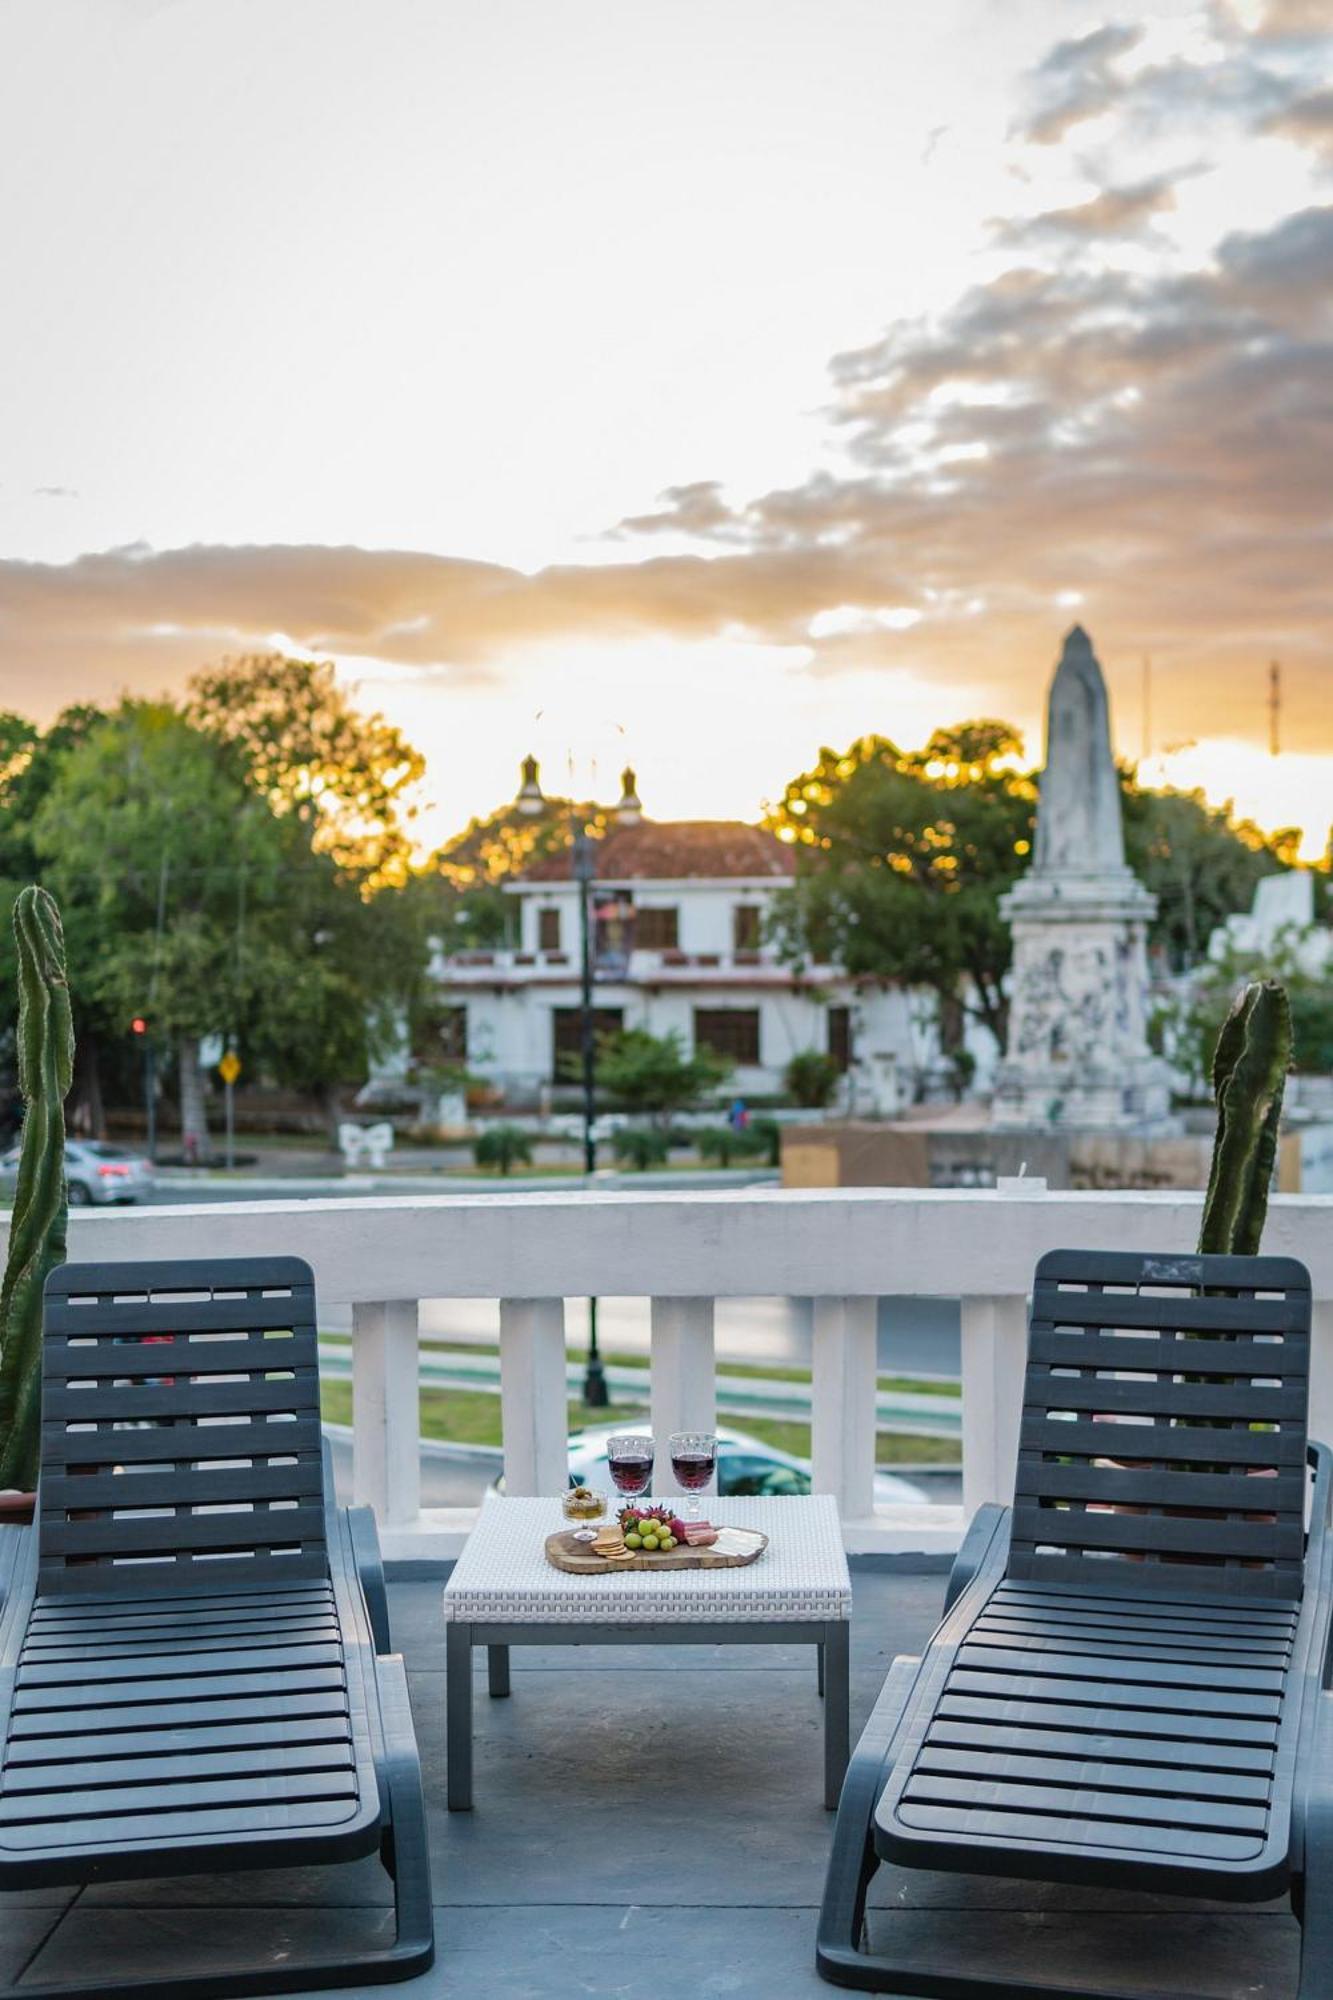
497,1670
819,1666
837,1710
458,1714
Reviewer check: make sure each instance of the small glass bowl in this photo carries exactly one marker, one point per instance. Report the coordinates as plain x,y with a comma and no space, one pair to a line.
581,1505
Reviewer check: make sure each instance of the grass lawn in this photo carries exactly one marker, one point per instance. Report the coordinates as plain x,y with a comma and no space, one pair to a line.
472,1416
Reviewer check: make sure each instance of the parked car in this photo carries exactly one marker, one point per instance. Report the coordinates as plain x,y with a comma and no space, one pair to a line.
746,1466
95,1172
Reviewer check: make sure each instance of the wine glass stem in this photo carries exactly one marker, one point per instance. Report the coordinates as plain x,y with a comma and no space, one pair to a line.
692,1507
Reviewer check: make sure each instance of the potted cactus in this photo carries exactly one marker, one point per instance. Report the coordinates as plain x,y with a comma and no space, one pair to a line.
40,1213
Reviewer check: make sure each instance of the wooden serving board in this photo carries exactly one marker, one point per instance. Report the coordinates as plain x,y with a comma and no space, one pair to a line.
580,1559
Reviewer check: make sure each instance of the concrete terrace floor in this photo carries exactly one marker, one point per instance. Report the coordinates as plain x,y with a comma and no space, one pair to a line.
648,1825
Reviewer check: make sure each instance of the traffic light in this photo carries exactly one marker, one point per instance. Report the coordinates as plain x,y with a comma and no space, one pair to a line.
138,1026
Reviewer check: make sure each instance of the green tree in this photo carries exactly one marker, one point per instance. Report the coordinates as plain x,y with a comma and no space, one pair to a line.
811,1078
640,1147
503,1147
1199,863
501,844
652,1075
162,858
1309,995
345,775
193,903
725,1143
902,857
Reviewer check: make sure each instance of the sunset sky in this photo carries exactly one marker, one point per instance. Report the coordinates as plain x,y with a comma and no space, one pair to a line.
691,382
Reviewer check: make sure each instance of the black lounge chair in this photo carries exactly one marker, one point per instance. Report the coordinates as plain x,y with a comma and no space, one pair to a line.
195,1672
1131,1683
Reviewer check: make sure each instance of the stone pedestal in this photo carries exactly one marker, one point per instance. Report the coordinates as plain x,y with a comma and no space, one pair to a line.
1078,1045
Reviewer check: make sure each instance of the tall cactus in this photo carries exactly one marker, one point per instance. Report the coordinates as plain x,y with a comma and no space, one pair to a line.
1250,1065
37,1225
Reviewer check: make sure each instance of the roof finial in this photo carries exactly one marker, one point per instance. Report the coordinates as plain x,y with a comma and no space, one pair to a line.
630,811
530,798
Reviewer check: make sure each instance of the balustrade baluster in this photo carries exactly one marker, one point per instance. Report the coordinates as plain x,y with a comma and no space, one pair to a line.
843,1395
386,1410
684,1378
533,1407
994,1357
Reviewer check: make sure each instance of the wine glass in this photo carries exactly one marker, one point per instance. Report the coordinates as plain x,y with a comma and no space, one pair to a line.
693,1457
630,1458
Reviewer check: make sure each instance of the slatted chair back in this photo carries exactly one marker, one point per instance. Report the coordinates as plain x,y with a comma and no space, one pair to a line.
181,1446
1163,1437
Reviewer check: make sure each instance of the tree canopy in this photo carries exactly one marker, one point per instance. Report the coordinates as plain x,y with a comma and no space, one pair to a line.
224,869
653,1076
903,856
1199,863
345,775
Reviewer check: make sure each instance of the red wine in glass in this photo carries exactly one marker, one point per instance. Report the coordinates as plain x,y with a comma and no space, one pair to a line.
693,1457
630,1460
693,1470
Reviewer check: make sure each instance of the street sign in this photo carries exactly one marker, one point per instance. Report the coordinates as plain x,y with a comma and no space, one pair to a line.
230,1067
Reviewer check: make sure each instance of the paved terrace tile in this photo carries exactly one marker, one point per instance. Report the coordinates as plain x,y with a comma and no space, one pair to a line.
648,1825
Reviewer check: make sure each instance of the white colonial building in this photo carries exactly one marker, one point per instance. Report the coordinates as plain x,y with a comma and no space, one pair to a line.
678,914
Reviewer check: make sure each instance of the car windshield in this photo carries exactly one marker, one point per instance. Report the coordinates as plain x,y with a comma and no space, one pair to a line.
101,1151
741,1475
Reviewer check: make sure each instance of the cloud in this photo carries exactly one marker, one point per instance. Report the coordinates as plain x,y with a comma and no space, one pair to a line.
1078,80
1159,445
1114,211
1308,120
140,617
1296,19
1088,423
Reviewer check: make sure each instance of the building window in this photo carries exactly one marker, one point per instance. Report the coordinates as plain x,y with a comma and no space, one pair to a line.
840,1036
548,930
745,926
732,1032
567,1037
656,930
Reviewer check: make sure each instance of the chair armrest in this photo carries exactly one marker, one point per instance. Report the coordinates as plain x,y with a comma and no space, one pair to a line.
1320,1461
986,1524
370,1573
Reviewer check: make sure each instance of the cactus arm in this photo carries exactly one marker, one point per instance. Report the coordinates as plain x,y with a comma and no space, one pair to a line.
1231,1041
40,1214
1249,1070
1272,1018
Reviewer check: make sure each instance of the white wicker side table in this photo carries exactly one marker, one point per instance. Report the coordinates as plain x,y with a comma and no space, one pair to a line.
504,1593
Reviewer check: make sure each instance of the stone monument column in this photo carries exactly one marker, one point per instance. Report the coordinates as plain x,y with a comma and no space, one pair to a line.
1078,1050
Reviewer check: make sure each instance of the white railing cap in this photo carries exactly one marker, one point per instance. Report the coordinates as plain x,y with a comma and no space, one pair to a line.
753,1242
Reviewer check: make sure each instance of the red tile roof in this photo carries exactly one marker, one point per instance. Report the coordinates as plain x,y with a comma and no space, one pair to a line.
673,850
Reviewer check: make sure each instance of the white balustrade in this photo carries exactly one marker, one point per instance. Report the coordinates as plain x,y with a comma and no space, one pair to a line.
842,1249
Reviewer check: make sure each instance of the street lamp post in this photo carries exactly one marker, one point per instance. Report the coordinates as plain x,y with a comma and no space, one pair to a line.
594,1381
